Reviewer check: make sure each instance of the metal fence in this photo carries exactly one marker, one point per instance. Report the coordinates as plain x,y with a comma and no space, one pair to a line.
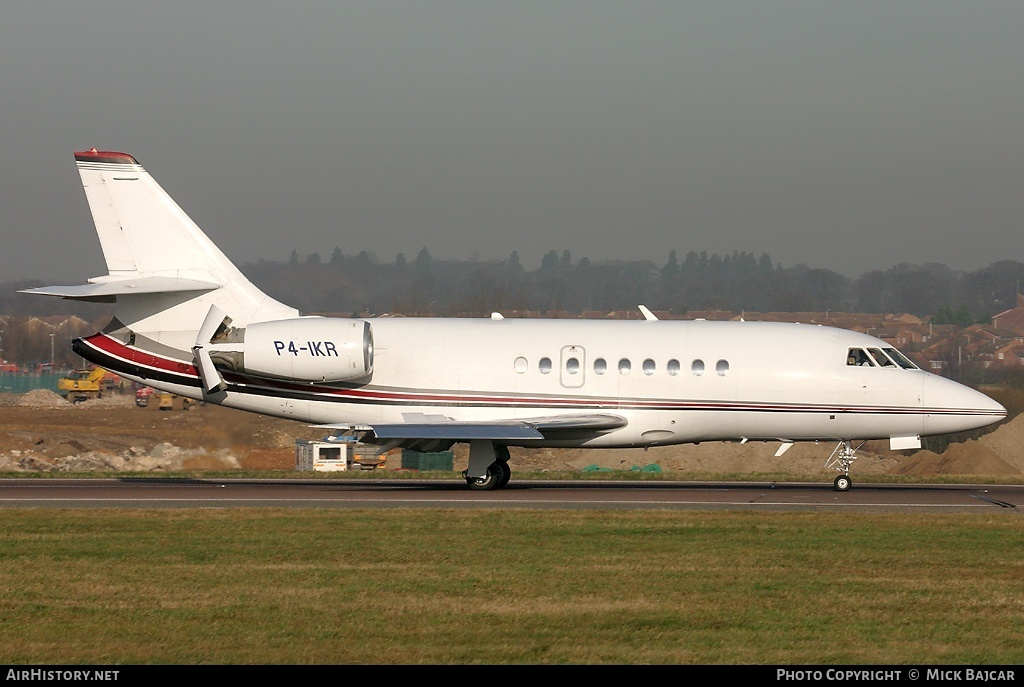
21,383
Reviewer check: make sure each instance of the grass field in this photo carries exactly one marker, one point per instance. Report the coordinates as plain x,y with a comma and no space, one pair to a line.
410,586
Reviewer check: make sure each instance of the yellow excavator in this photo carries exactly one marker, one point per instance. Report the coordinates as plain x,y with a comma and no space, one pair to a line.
81,385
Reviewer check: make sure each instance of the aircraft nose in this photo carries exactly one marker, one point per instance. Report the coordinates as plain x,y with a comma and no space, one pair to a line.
952,407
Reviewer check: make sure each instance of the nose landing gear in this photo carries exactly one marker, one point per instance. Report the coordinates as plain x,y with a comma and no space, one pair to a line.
841,459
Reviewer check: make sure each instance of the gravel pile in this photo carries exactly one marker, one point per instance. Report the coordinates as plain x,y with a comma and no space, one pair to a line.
42,398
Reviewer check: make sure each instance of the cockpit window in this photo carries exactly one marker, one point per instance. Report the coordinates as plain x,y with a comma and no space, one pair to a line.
900,359
881,358
857,357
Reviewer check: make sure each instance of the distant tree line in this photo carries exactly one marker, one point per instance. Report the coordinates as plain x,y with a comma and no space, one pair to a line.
348,284
736,282
360,283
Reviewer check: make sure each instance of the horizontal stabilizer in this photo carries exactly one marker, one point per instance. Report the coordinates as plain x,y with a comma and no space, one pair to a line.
105,291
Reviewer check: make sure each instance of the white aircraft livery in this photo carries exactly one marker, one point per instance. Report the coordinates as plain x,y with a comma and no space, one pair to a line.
188,322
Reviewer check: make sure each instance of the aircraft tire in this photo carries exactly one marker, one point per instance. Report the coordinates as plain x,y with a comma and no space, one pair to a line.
486,483
498,475
506,474
843,483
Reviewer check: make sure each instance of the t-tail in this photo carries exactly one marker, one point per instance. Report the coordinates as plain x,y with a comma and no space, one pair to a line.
174,289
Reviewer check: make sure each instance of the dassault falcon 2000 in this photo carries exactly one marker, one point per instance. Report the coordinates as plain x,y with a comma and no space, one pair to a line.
188,322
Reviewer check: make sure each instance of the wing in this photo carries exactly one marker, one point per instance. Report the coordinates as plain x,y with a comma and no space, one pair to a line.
436,430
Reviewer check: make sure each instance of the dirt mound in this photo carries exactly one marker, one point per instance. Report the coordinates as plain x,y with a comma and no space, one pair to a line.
958,459
1000,452
706,458
43,432
1007,442
40,431
41,398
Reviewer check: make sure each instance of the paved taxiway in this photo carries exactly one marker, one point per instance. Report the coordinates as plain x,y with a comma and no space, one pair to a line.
371,493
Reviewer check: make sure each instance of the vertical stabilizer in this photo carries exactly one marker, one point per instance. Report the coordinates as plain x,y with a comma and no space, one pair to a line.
141,229
163,271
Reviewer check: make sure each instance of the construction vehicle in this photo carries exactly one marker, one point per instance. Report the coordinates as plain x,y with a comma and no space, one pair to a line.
164,400
81,385
148,397
142,395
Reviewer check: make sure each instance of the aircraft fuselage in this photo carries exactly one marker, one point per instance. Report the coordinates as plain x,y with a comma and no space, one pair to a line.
673,381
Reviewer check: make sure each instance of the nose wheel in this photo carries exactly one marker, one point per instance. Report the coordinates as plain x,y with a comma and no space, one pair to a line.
841,459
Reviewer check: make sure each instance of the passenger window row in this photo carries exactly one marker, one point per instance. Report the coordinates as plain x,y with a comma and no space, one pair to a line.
624,366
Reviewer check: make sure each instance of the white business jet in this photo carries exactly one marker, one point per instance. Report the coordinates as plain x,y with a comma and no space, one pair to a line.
188,322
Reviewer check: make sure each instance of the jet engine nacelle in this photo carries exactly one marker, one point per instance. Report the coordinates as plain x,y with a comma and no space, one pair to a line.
310,349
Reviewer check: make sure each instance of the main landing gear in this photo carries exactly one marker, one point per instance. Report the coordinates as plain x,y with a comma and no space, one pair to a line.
841,459
498,472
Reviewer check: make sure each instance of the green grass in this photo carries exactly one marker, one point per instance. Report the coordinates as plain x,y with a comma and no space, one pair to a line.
422,586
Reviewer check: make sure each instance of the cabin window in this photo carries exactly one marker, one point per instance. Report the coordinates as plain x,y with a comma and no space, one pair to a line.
722,367
673,367
544,366
625,366
600,366
649,367
521,365
857,357
697,367
572,366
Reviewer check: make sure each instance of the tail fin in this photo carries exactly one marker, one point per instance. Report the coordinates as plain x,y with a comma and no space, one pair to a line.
164,273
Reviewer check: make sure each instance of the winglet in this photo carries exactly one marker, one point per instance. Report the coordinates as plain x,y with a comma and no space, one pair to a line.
648,315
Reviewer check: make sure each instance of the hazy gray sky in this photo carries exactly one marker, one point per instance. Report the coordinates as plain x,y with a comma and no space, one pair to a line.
848,135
